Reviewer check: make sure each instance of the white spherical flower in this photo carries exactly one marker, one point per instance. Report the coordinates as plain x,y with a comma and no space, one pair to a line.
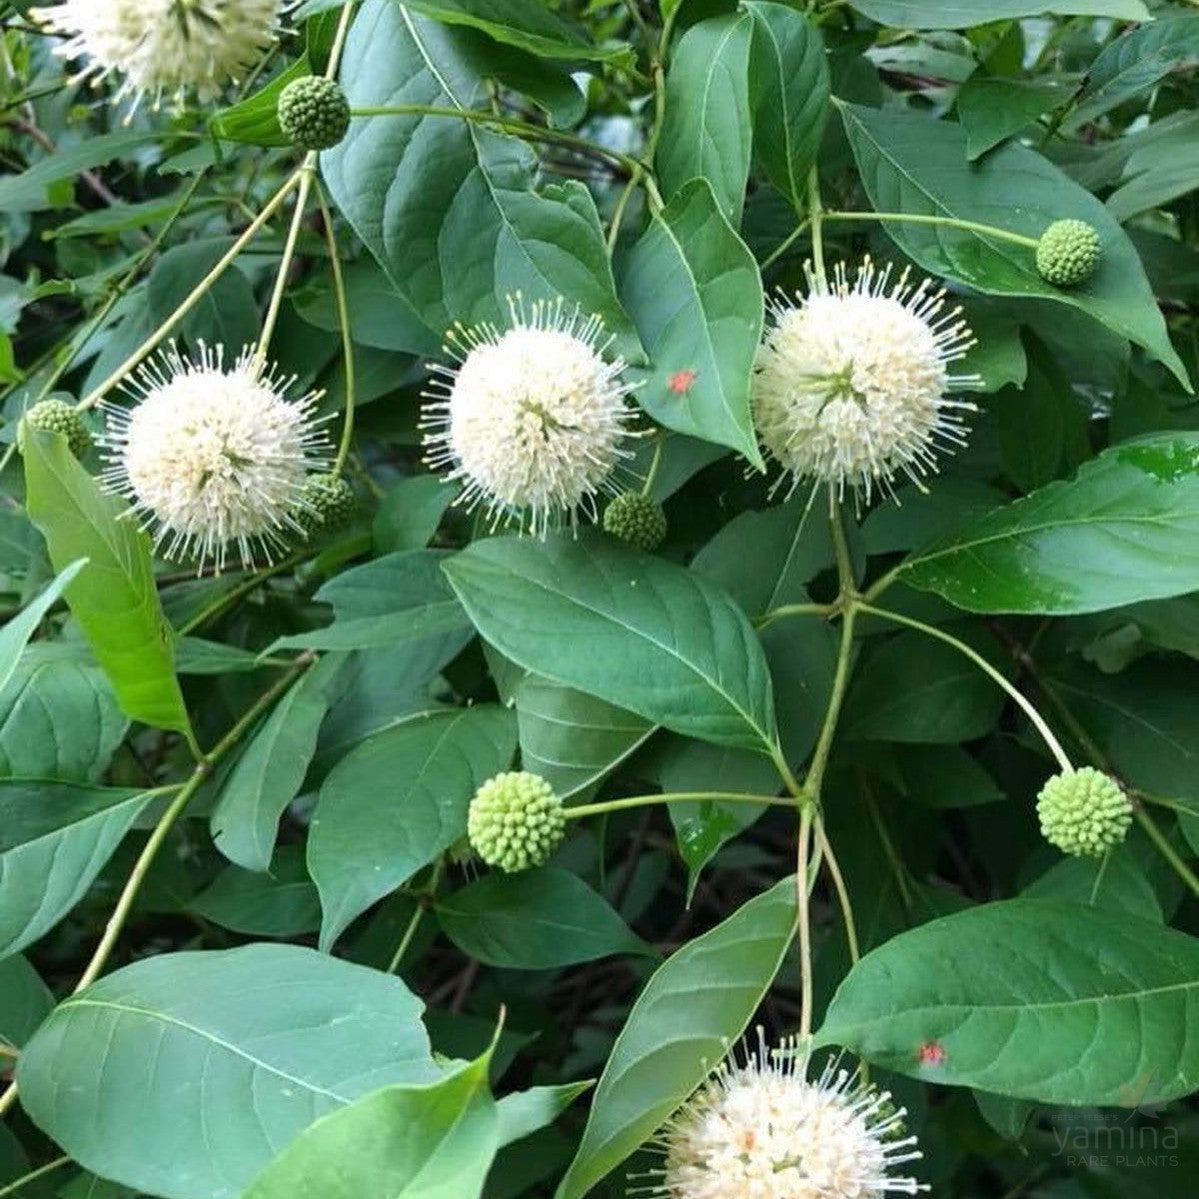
851,384
532,418
164,47
213,457
763,1131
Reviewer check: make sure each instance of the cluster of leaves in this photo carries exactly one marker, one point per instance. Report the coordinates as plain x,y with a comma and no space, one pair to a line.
268,967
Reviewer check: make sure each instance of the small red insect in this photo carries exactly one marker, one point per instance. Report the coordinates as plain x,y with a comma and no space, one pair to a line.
681,381
931,1053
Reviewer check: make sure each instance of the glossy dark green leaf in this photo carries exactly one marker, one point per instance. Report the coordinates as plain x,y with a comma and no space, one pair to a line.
25,1001
571,738
528,24
410,513
1134,63
255,120
270,771
1124,530
1115,883
536,920
910,163
144,1076
114,597
943,776
627,627
789,83
279,902
435,1141
396,802
707,132
1030,998
696,1005
15,634
694,291
1145,720
226,316
448,207
399,597
916,689
960,14
58,720
524,1112
992,110
54,839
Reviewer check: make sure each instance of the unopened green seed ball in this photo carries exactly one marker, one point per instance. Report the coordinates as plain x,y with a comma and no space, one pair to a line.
636,519
1068,253
1084,812
56,416
515,821
314,113
326,503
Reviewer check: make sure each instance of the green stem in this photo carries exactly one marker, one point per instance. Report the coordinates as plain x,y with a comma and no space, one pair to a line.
655,463
262,704
343,320
1039,722
1167,850
339,41
422,904
816,218
621,204
948,222
834,869
34,1175
192,299
641,801
797,610
306,172
240,592
803,853
508,124
784,245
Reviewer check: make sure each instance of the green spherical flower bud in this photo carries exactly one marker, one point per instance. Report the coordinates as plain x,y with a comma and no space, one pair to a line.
1068,253
55,416
515,821
637,519
326,503
1084,812
314,112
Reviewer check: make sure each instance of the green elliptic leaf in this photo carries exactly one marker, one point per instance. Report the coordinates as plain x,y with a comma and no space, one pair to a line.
426,772
114,597
58,720
15,634
25,1001
527,24
54,840
1030,998
435,1141
399,597
228,313
571,738
707,131
32,190
789,83
914,164
280,903
536,920
270,771
410,513
1115,883
992,110
696,1005
693,288
961,14
1124,530
627,627
448,207
145,1076
1134,63
1145,720
255,120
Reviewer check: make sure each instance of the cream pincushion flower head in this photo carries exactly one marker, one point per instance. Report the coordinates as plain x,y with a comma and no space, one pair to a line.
852,381
213,457
164,47
763,1131
532,418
